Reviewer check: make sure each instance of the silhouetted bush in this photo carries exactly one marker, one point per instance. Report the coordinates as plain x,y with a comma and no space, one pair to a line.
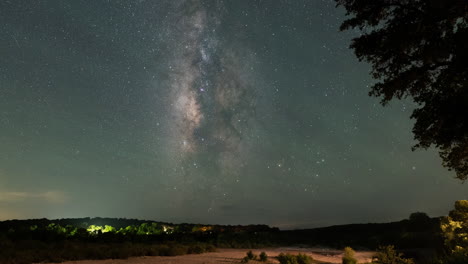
251,255
263,257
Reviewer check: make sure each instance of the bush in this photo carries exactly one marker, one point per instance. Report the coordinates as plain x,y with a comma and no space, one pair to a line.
263,257
348,256
251,255
287,259
303,259
388,255
293,259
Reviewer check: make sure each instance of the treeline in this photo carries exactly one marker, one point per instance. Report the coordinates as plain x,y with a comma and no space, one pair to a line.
130,230
419,231
130,226
43,240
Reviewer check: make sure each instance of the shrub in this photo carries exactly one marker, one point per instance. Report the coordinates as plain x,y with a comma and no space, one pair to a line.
303,259
287,259
348,256
388,255
294,259
263,257
251,255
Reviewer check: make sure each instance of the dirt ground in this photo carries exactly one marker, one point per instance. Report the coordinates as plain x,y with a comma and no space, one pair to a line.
231,256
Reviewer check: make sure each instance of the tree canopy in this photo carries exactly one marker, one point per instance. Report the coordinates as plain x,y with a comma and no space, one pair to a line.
419,49
455,229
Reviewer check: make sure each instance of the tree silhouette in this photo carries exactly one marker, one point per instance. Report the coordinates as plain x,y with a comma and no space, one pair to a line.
419,49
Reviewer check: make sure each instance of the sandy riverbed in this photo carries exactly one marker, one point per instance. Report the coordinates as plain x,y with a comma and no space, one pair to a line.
231,256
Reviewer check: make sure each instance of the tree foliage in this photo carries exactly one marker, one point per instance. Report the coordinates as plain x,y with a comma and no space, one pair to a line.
418,49
455,228
419,217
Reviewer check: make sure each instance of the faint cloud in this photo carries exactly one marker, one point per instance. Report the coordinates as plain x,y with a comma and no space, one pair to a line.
49,196
6,214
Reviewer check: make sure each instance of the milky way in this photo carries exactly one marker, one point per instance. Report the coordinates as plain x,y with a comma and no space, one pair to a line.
212,104
209,111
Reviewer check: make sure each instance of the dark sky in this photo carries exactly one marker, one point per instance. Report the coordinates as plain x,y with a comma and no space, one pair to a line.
229,112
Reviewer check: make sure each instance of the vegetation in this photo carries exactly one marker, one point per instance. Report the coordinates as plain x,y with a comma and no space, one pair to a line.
455,232
303,259
455,228
417,49
388,255
348,256
406,234
250,256
459,257
29,251
44,240
294,259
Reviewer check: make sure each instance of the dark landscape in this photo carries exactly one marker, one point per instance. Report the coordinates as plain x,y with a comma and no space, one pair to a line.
41,240
234,131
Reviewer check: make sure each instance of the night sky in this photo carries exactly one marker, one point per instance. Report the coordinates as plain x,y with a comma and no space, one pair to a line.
227,112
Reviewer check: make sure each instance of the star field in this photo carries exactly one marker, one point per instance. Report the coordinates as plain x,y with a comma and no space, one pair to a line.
228,112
